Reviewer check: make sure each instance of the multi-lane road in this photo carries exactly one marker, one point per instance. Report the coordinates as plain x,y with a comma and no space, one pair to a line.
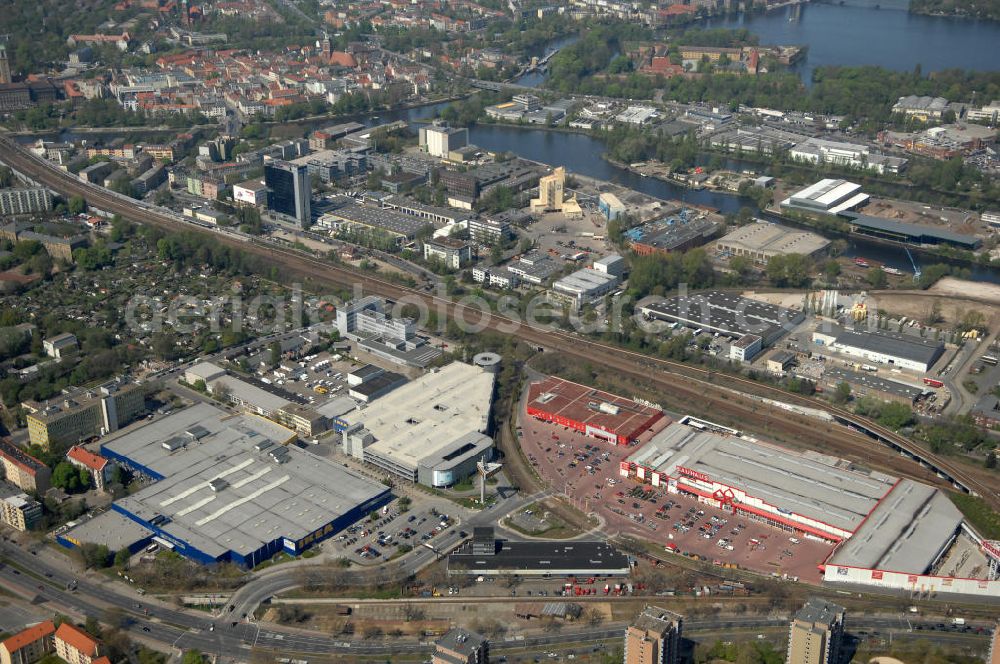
46,583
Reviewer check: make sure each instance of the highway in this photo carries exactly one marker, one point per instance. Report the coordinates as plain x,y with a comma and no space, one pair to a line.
673,375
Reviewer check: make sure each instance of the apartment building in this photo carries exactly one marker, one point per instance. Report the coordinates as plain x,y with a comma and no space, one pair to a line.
23,470
815,634
654,637
29,645
20,511
74,646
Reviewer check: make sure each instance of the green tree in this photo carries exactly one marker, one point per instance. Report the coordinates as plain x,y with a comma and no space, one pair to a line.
842,393
832,270
66,476
94,555
122,557
76,205
193,657
877,278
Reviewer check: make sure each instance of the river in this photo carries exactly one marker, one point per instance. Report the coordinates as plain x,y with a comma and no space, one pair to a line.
870,33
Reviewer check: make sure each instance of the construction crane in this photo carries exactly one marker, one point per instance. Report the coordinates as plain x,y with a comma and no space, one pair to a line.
913,262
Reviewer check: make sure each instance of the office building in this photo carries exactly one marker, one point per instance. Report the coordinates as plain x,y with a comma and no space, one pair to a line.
74,646
761,242
250,192
395,339
745,348
654,637
454,254
29,645
83,413
289,190
23,470
28,200
20,511
852,155
438,139
489,231
815,634
461,646
61,345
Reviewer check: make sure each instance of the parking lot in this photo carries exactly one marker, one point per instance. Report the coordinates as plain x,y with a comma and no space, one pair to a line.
368,542
586,470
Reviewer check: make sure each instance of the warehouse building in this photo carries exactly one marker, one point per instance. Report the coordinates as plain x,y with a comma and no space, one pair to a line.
889,532
432,430
803,492
590,411
828,196
868,385
905,351
900,231
678,230
534,267
726,313
372,222
761,242
584,287
486,555
227,489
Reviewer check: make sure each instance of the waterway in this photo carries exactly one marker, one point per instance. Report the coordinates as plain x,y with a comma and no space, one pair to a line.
880,33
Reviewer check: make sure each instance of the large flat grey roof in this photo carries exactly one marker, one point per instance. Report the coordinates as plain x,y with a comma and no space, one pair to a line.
111,529
427,415
808,483
907,532
888,343
221,493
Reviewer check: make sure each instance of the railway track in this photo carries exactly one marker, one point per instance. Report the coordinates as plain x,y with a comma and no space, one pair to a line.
595,352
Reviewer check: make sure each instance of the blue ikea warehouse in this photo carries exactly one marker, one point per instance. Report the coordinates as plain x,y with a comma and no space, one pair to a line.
224,488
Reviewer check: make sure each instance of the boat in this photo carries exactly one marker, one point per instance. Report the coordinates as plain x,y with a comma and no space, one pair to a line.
892,270
861,262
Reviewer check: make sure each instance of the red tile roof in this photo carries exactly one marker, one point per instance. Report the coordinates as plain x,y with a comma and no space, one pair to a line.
77,639
87,458
28,635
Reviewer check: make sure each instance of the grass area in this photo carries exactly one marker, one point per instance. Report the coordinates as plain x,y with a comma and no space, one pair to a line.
557,528
978,513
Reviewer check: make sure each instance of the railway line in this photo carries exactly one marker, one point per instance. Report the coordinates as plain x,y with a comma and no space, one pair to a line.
674,374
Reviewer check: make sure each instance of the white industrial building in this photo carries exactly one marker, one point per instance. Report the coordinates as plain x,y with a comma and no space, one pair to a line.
821,151
439,139
904,351
613,265
584,286
828,196
432,430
